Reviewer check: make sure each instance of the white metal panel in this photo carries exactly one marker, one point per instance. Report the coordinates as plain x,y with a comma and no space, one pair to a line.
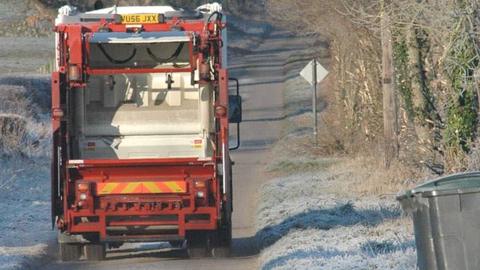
133,10
191,94
205,109
159,80
132,147
174,98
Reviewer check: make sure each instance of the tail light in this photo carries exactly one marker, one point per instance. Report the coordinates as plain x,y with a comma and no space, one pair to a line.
74,73
83,194
201,192
199,184
83,187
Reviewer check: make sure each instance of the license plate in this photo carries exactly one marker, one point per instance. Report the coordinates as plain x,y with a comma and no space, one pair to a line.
140,18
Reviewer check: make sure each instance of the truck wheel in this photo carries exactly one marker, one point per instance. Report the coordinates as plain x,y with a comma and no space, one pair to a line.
197,252
226,234
95,252
198,245
223,241
176,244
69,252
221,252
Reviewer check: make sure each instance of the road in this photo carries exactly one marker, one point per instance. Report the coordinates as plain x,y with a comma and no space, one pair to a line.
261,77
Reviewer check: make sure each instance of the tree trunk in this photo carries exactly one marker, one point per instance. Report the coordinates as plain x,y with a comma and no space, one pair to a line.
390,110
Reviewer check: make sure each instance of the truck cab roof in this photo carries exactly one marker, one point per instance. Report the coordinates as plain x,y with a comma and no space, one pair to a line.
134,10
69,14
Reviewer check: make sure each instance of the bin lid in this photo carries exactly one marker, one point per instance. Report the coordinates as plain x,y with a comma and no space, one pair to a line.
452,184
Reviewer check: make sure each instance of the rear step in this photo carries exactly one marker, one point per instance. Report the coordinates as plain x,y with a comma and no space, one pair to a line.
148,228
143,238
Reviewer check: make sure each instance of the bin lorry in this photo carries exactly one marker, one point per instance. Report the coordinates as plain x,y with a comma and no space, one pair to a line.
141,111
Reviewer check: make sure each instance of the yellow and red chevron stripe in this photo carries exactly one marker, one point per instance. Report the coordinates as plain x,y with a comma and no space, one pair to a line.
141,187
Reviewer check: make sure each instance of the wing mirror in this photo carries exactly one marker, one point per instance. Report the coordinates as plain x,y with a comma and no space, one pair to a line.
235,111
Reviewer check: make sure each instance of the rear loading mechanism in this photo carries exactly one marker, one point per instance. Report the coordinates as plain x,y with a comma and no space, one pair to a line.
141,113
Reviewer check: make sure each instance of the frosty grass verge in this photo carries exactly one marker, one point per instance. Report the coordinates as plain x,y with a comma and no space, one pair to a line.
24,173
25,212
300,227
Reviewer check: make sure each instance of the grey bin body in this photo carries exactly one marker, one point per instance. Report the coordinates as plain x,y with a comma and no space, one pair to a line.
446,219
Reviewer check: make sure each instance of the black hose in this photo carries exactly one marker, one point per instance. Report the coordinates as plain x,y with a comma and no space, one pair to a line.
219,16
115,61
169,59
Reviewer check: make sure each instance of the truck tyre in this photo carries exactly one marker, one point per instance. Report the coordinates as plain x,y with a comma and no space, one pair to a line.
223,242
176,244
198,245
221,252
70,252
197,252
95,252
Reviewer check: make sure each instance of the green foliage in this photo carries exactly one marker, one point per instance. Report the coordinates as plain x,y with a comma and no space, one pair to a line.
456,115
404,83
461,121
462,107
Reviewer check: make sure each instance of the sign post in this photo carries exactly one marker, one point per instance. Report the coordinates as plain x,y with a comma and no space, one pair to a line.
314,100
314,73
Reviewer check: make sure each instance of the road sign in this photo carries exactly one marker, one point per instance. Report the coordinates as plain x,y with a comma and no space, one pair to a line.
307,72
314,73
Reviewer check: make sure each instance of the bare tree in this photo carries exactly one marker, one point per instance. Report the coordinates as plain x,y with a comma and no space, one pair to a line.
390,110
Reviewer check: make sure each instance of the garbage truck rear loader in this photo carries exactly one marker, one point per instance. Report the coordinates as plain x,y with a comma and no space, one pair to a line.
141,113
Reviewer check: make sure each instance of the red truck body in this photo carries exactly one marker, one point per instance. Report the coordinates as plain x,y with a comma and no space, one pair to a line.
100,198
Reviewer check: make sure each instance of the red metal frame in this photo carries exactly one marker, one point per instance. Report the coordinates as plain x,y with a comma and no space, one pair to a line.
111,71
96,213
135,71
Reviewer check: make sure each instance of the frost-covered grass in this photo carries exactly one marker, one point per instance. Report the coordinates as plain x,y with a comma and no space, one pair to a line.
24,211
24,117
340,249
300,164
21,257
24,171
302,224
